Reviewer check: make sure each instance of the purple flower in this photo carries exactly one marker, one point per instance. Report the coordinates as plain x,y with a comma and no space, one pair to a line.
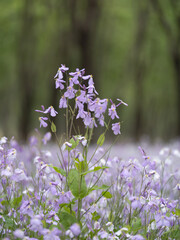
101,120
62,69
137,237
121,102
46,138
135,202
41,111
63,102
76,75
33,141
112,111
99,106
89,121
82,97
42,121
76,230
116,128
162,220
35,224
51,111
91,87
70,93
59,74
51,235
81,114
78,72
59,83
143,153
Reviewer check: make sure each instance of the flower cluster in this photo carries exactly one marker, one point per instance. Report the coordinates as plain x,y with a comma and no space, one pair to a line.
88,106
34,199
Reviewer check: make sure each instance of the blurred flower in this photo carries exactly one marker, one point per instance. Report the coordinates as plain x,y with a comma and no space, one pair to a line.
76,230
46,138
3,140
18,233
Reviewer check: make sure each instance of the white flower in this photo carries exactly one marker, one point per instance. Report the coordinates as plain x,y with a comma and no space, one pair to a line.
97,225
176,153
110,226
3,140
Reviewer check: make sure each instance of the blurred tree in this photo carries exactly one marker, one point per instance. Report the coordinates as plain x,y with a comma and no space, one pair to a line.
26,65
139,67
84,16
168,13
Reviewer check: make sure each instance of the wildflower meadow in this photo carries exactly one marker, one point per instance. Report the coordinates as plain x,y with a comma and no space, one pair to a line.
79,190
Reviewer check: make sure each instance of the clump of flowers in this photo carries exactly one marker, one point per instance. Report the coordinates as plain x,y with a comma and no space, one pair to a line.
86,196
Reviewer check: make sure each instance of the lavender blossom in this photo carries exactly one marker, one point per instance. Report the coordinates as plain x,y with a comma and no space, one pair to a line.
76,230
116,128
18,233
51,111
42,121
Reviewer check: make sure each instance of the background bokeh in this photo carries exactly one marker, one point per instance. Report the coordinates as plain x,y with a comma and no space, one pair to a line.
132,48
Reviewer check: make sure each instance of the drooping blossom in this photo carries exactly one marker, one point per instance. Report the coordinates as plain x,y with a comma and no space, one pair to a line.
59,83
91,87
51,111
60,71
42,121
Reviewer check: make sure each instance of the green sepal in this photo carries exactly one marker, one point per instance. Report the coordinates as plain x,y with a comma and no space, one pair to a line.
53,127
101,139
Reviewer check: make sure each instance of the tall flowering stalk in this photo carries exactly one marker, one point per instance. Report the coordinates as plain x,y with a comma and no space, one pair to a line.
81,101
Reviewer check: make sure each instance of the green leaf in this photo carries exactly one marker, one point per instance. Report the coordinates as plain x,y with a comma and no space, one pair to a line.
16,201
67,219
77,184
9,223
59,170
95,216
81,166
177,212
4,203
74,141
107,194
53,127
94,170
103,187
101,139
136,225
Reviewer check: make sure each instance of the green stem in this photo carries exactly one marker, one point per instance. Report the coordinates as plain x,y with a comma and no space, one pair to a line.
79,201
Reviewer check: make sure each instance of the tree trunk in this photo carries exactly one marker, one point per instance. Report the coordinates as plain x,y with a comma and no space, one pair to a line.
26,67
139,67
